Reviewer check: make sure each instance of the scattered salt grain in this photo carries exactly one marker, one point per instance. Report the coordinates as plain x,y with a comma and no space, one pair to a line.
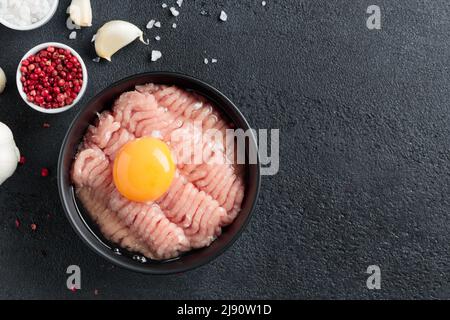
73,35
97,60
157,38
174,11
157,24
174,25
140,259
71,25
214,60
263,3
156,134
150,24
164,5
206,61
223,16
197,106
180,3
156,55
204,13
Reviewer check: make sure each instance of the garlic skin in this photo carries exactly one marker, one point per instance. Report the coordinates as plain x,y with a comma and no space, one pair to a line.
80,12
2,81
9,153
115,35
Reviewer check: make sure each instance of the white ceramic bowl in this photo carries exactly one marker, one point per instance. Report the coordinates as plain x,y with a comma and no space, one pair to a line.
36,50
36,25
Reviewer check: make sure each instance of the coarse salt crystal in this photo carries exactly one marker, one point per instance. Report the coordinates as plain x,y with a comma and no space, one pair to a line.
150,24
214,60
73,35
157,24
96,59
156,134
223,16
174,11
93,37
263,3
174,25
71,25
156,55
157,38
206,61
164,5
180,3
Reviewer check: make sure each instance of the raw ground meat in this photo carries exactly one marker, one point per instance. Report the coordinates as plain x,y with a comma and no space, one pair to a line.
203,198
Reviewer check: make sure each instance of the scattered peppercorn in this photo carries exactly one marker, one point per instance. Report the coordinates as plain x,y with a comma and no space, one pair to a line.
44,172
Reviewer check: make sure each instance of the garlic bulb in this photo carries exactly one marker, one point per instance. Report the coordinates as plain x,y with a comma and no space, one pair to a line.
2,80
9,154
81,12
115,35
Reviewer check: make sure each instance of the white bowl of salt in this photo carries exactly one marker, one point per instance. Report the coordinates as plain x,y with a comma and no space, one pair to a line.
25,15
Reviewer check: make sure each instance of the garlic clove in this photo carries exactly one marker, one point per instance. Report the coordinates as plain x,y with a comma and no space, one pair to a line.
115,35
8,162
81,12
2,80
6,135
9,153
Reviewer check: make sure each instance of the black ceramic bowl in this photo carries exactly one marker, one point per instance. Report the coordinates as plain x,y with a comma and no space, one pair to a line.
88,231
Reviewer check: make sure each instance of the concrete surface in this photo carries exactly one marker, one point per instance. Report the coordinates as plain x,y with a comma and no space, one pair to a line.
365,163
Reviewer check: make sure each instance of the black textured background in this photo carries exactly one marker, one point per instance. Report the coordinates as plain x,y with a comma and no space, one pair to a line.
365,167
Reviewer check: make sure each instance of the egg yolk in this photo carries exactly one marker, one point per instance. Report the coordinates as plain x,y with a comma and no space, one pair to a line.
143,169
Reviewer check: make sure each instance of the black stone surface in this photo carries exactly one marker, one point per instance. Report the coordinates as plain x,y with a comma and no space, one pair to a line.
365,166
